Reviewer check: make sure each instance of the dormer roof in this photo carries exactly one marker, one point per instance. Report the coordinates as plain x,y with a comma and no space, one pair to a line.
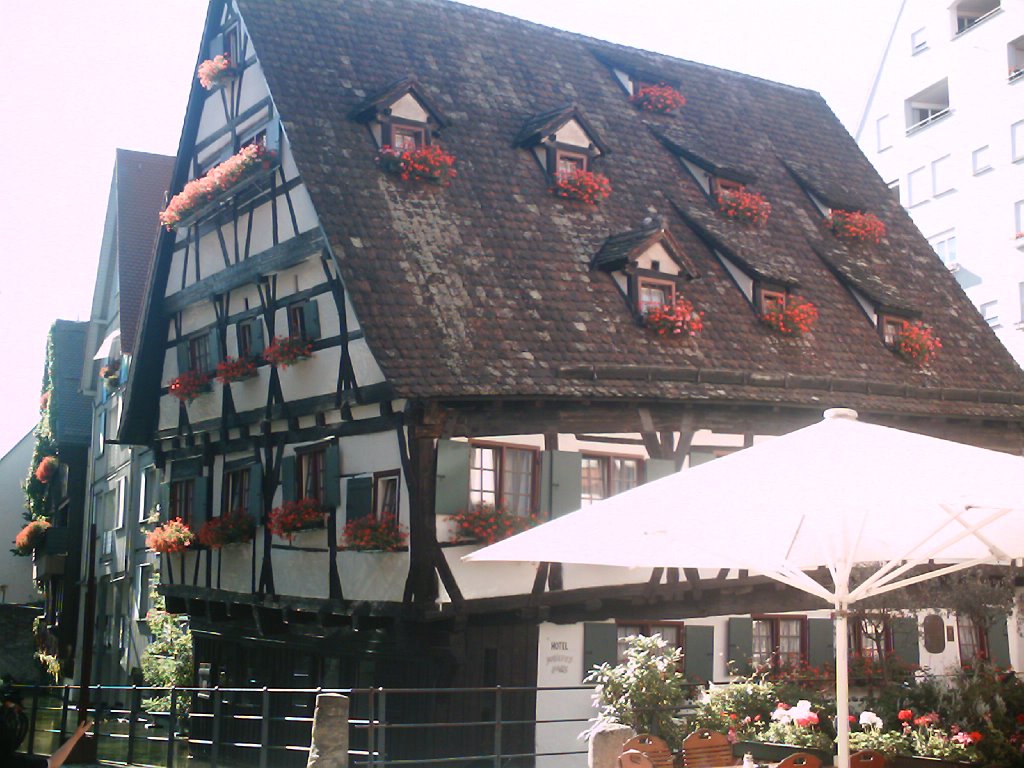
377,103
702,153
621,249
544,124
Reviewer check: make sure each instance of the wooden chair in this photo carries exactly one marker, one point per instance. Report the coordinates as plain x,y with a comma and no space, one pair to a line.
867,758
704,749
801,760
655,750
634,758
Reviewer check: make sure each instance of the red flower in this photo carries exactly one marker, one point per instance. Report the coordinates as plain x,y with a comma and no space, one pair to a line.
293,516
31,536
796,316
856,225
47,466
230,369
212,70
287,350
372,532
659,98
905,714
430,163
676,319
235,527
189,385
488,524
582,185
740,204
172,536
917,343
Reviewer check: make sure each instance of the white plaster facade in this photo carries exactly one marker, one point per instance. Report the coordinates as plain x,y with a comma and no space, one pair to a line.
15,572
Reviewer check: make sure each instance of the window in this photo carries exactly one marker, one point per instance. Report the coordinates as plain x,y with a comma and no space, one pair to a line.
1017,141
1015,59
918,41
980,162
605,476
250,338
671,632
234,495
894,188
569,162
181,499
778,641
147,493
990,313
725,185
304,320
231,47
917,191
768,299
405,137
944,244
1018,218
968,13
503,475
654,293
942,175
101,431
890,328
385,493
927,106
144,574
972,640
309,474
870,637
198,352
883,133
122,502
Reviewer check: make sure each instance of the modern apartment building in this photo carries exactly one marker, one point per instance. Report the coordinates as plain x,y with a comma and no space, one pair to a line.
944,126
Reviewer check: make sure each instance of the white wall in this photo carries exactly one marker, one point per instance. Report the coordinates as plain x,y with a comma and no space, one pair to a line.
15,572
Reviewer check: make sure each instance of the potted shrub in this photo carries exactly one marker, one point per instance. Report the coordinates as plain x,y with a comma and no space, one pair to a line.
794,317
287,350
172,536
740,205
233,369
31,537
488,523
236,527
430,163
294,516
856,225
676,319
215,71
46,469
917,343
586,186
658,98
371,533
111,375
189,385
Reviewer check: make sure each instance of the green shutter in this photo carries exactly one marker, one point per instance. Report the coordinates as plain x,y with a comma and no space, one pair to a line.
273,134
600,645
741,644
256,334
213,351
200,507
700,456
906,644
358,498
451,494
699,649
561,482
821,646
184,363
999,643
332,480
655,469
288,478
255,501
165,502
311,319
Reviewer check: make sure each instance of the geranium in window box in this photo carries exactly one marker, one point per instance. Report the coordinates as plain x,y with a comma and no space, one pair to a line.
741,205
219,179
793,318
215,71
287,350
46,468
173,536
111,375
676,319
294,516
488,523
189,385
917,343
857,226
374,533
31,537
659,98
235,527
430,163
586,186
232,369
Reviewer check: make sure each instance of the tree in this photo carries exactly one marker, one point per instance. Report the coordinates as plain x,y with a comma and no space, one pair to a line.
167,662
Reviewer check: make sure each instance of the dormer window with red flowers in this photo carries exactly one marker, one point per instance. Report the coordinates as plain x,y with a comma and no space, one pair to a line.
565,145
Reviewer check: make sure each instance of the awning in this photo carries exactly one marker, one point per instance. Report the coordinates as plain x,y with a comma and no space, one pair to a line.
104,351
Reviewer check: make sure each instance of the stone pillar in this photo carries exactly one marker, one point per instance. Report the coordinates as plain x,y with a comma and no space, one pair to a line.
328,747
606,745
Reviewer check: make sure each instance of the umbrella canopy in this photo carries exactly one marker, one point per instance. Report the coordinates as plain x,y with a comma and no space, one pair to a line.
836,494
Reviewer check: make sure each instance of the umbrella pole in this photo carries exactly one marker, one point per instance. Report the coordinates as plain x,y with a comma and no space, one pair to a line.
842,687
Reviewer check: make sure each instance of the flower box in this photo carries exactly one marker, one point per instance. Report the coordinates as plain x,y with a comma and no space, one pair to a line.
235,527
203,194
917,343
287,350
31,537
905,761
189,385
795,317
748,207
487,523
231,370
214,72
173,536
586,186
371,533
431,164
676,319
770,752
294,516
111,375
856,225
659,98
46,468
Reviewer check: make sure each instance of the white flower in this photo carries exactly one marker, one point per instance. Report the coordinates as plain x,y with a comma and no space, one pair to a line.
782,715
870,719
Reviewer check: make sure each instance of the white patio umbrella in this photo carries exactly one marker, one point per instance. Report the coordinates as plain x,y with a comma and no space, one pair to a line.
837,494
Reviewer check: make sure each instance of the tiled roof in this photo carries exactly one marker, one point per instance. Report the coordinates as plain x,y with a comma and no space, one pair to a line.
485,288
73,419
142,180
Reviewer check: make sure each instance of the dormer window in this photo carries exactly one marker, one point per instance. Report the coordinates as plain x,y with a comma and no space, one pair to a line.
890,327
562,140
652,294
718,185
567,161
769,298
401,116
406,137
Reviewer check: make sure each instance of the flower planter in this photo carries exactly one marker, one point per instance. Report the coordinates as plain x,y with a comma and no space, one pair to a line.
767,751
903,761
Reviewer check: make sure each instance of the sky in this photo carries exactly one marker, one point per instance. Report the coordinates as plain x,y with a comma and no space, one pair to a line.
83,78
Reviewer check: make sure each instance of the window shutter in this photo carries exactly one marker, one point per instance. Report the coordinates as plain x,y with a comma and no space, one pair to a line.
200,508
256,334
216,46
358,498
332,481
999,643
213,351
906,644
741,644
165,502
288,478
699,653
700,456
451,493
273,135
311,319
600,645
183,362
255,501
934,630
821,647
561,482
655,469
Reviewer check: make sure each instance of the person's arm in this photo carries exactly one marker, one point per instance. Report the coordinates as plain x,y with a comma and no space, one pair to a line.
56,760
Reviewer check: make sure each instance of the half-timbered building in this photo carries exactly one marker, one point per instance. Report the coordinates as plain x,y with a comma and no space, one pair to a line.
392,338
